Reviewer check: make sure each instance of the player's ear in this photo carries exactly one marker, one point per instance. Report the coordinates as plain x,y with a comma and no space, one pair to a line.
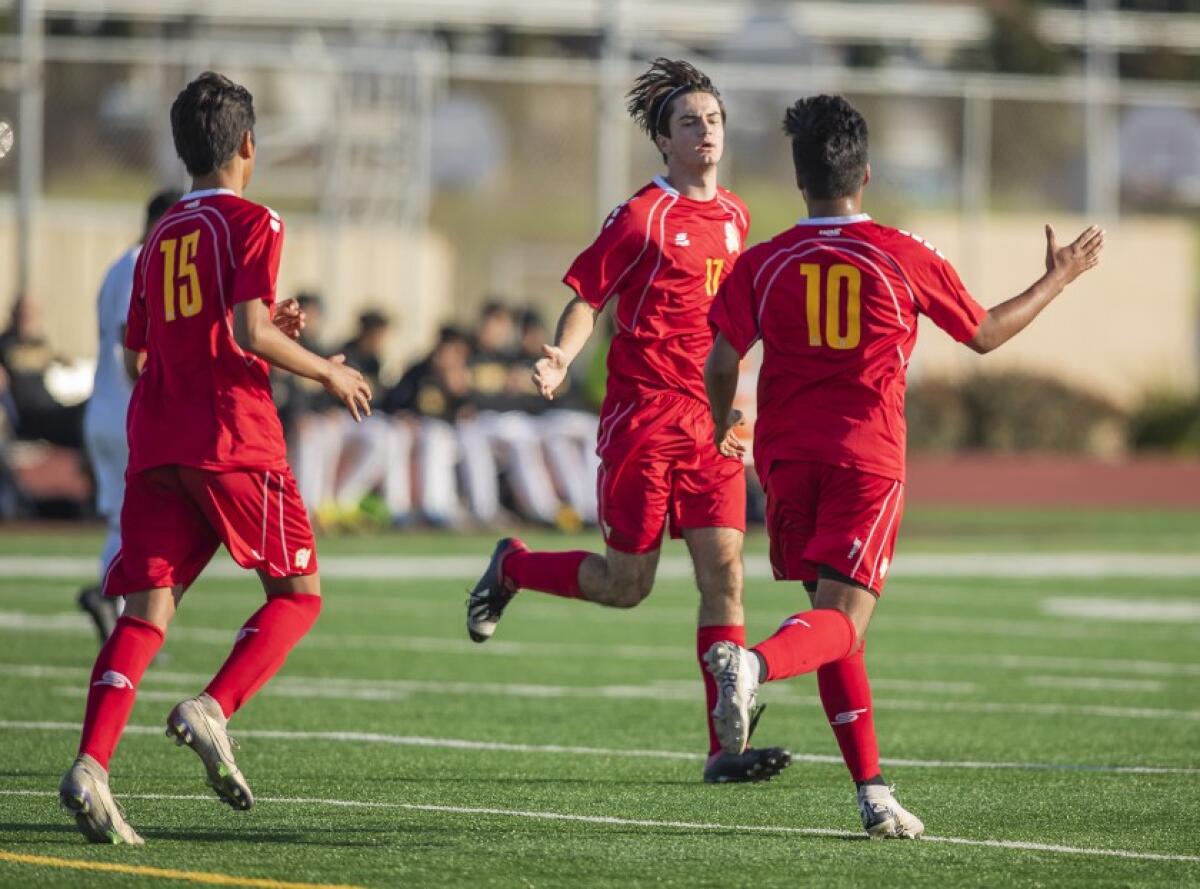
662,143
246,149
867,175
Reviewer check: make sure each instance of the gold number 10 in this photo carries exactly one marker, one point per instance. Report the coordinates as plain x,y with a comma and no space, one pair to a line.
181,284
833,305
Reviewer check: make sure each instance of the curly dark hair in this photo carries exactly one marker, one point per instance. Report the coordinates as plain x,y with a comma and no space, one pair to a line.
655,92
208,120
829,145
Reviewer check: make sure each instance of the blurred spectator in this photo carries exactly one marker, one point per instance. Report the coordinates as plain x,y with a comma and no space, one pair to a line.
365,351
296,396
26,357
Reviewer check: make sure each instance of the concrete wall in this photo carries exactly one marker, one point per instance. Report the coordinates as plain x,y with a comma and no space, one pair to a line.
408,276
1129,325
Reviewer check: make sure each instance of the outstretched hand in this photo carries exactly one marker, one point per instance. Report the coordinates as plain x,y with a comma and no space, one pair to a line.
550,371
349,387
726,437
1077,257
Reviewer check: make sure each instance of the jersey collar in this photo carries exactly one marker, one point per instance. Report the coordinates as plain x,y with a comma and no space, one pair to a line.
207,193
834,220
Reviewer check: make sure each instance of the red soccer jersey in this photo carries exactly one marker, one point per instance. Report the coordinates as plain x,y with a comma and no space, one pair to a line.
662,256
835,302
202,401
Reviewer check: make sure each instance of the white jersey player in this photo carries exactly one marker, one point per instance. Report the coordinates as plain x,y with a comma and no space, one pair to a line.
104,418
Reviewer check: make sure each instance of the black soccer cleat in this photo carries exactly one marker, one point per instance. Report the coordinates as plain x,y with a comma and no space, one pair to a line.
755,764
493,592
100,608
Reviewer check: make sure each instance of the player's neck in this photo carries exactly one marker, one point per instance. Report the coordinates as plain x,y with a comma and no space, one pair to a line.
223,179
696,185
821,208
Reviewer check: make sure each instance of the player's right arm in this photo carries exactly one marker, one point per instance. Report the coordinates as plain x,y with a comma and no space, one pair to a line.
596,276
1063,265
256,332
575,326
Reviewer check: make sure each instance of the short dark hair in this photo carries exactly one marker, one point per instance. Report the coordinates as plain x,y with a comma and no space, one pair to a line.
160,204
449,333
655,92
372,319
494,308
829,145
208,120
307,299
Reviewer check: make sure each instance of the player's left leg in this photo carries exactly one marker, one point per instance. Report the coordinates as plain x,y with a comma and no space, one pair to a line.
717,558
262,521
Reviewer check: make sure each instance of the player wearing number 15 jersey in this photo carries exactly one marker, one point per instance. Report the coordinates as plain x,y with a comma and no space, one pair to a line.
835,301
659,258
207,464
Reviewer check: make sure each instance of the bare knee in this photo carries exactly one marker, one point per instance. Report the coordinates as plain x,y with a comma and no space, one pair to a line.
626,593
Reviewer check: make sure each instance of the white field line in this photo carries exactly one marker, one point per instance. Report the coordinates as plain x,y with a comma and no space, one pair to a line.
75,623
1120,666
611,820
1097,683
469,567
629,753
1165,611
662,692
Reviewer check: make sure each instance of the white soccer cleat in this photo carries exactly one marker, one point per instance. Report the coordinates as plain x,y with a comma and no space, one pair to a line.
84,793
883,817
199,723
736,672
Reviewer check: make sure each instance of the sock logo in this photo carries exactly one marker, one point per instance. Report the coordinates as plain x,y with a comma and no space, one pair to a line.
794,621
115,679
301,558
243,633
848,717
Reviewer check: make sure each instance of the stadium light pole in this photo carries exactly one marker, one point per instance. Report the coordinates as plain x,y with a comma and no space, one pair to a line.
30,17
1100,123
612,148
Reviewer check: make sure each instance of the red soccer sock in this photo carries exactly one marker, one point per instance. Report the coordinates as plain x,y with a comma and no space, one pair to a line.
262,646
807,640
553,573
846,696
706,638
115,677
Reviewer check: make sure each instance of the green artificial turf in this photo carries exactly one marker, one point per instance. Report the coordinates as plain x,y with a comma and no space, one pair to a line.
601,712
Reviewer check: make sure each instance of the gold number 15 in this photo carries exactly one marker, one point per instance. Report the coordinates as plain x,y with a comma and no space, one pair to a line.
181,284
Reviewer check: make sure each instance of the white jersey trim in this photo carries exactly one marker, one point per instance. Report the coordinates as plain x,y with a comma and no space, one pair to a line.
834,220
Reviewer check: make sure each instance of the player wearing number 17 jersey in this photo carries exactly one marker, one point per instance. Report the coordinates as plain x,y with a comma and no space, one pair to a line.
835,301
207,464
660,258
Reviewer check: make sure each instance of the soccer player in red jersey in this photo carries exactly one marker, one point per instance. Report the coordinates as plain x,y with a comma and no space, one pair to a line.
660,256
835,300
207,464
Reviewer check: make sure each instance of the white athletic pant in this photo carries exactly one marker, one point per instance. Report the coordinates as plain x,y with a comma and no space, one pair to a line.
378,456
517,443
108,450
570,448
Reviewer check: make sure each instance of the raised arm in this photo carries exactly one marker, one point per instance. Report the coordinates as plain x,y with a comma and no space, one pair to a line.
575,325
1063,265
255,332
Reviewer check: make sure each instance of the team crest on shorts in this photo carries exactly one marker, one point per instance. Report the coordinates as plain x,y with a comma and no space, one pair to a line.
301,558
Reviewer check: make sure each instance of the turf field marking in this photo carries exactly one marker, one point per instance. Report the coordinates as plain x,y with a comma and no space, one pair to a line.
1097,683
630,753
673,567
1071,664
138,870
1124,610
1017,845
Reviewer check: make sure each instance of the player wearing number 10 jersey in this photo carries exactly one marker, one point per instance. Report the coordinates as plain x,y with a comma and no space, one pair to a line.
660,258
835,301
207,464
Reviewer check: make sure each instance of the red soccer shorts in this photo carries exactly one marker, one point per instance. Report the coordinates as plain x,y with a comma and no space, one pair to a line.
820,514
658,465
175,517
